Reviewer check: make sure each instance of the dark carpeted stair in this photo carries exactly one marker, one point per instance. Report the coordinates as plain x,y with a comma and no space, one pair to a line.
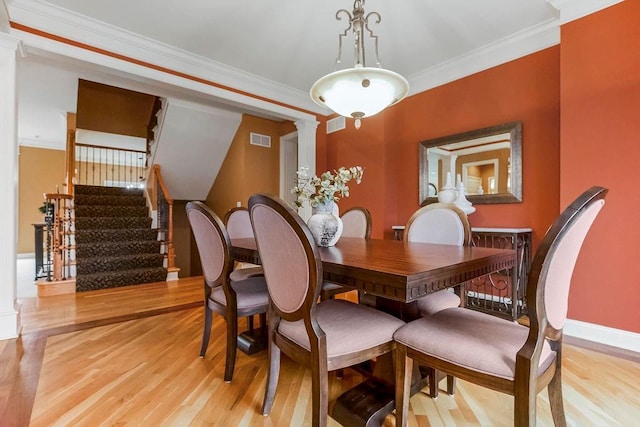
115,244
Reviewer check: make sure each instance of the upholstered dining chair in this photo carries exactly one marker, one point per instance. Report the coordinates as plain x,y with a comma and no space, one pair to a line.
499,354
440,223
238,225
223,295
446,224
319,335
356,222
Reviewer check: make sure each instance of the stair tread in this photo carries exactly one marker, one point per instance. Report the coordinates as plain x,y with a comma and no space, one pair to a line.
124,271
114,243
113,234
121,272
106,280
114,257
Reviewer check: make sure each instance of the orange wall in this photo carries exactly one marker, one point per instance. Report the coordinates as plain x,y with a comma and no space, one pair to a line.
364,147
40,171
247,169
600,98
526,89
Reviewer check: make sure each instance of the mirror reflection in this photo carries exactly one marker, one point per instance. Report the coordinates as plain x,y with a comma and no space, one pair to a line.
487,161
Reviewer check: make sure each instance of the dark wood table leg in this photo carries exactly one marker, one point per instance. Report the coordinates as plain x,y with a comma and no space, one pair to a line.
368,403
254,339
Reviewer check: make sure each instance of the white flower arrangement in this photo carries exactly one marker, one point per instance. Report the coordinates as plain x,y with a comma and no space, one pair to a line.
329,187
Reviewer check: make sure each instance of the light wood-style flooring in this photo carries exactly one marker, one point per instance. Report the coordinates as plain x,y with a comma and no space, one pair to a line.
130,357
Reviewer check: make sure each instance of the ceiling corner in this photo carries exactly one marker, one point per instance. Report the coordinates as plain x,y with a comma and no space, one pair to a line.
571,10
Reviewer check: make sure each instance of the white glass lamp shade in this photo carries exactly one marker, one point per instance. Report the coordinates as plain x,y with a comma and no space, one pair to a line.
359,92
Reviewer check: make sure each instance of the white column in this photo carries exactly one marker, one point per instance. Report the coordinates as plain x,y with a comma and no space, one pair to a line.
306,153
9,318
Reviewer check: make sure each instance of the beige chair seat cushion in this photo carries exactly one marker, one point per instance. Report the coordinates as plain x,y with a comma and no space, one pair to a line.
349,327
244,273
471,339
437,301
250,293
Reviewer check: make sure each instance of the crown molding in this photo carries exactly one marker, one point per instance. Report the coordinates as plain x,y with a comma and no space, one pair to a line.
39,143
571,10
158,78
507,49
4,17
8,42
205,109
67,24
64,23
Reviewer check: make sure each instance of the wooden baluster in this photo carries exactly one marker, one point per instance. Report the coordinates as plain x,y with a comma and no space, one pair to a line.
163,188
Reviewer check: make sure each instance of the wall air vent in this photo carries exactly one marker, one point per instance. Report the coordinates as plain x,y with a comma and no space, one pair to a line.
261,140
336,124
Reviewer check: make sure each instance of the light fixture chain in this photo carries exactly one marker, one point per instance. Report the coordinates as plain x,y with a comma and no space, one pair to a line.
358,22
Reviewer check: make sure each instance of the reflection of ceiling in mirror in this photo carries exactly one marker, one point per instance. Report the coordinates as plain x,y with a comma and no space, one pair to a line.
486,143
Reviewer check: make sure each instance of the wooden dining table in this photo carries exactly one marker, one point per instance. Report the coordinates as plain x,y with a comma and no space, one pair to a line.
396,274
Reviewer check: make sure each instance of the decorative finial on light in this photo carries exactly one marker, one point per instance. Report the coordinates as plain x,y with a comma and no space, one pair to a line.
360,91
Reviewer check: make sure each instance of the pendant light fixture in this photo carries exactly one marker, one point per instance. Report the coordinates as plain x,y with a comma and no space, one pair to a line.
360,91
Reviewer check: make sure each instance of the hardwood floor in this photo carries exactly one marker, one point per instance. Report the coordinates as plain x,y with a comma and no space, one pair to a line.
130,357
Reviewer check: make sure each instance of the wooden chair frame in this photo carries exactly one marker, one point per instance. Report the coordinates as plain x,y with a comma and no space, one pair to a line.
242,266
434,376
528,382
230,311
317,359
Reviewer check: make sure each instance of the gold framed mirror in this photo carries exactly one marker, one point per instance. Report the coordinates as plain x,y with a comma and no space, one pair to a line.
487,161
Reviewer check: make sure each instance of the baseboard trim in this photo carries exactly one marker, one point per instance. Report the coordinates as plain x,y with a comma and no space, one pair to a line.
58,287
28,255
9,325
603,335
172,274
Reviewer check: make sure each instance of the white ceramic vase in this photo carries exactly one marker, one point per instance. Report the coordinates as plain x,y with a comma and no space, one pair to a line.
462,202
447,193
325,224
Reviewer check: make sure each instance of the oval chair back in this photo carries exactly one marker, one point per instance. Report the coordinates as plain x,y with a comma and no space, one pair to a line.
356,222
440,223
554,262
212,241
238,223
290,260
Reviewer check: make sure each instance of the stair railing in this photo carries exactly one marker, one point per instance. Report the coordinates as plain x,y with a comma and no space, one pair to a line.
163,205
59,225
108,166
70,158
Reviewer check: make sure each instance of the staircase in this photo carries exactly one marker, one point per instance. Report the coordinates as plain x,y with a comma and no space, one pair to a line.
115,244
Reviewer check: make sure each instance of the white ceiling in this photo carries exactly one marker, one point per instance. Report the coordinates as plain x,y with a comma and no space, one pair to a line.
273,49
294,42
